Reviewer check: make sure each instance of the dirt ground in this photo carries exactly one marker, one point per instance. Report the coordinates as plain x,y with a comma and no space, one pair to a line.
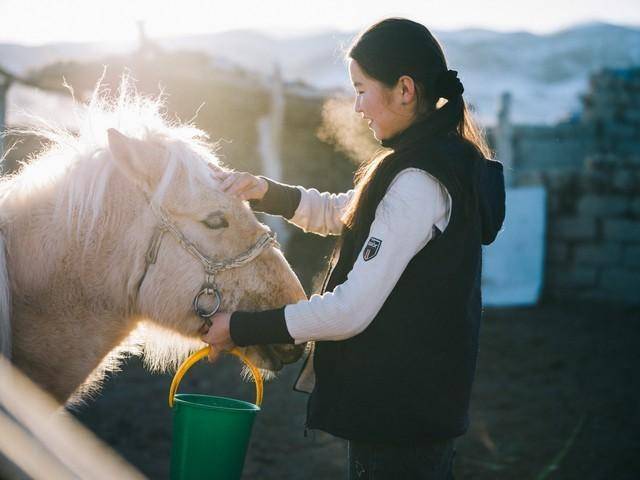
556,396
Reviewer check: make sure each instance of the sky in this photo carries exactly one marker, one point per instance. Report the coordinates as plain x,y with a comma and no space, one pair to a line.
33,22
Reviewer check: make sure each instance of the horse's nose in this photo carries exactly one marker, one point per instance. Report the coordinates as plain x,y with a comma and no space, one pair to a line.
288,353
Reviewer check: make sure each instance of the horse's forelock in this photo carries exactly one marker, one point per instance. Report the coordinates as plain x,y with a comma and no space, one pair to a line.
79,164
193,162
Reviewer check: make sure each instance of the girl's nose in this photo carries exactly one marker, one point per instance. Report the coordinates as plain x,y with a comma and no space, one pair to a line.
356,105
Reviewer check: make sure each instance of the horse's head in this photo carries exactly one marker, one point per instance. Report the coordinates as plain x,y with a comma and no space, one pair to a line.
185,223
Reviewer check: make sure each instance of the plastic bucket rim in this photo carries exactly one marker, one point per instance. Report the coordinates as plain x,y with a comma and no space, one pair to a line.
252,407
199,355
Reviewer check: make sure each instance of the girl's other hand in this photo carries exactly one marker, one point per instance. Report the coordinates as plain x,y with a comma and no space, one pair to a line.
242,185
218,335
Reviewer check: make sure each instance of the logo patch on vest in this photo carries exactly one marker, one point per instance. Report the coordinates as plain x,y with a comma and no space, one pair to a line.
372,248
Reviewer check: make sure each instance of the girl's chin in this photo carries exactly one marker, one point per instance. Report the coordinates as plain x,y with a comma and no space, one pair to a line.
377,134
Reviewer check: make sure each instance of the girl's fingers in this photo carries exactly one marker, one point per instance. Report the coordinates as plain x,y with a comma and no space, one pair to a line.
228,182
240,186
250,193
219,176
213,355
218,172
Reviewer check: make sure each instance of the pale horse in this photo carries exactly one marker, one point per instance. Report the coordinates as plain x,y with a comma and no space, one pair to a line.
117,237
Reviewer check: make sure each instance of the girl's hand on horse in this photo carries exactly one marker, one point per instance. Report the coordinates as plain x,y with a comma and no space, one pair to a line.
218,335
242,185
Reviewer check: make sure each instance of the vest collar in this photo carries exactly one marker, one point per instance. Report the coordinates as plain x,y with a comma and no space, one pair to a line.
416,131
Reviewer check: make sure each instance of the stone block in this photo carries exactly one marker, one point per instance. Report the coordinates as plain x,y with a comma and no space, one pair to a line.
553,204
632,256
528,178
602,205
557,252
624,180
626,231
632,116
574,228
626,147
607,254
595,181
560,179
574,277
621,131
622,284
601,162
596,295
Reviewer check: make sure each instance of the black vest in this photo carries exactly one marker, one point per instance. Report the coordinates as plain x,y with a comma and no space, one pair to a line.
407,377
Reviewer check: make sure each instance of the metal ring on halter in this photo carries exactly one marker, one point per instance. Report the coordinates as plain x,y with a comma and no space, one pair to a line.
203,314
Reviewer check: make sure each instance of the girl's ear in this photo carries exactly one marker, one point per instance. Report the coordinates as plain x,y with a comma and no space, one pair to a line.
139,163
407,89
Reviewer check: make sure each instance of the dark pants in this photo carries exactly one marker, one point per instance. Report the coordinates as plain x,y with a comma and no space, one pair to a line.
432,461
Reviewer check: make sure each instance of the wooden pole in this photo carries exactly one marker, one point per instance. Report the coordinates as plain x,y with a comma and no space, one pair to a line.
504,138
6,79
5,82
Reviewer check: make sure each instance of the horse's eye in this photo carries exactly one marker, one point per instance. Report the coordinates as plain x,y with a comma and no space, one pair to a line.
216,220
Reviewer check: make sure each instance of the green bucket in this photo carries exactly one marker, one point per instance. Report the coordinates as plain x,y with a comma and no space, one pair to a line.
210,434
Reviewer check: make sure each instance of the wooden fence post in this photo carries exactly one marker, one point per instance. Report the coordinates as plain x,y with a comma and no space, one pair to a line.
5,82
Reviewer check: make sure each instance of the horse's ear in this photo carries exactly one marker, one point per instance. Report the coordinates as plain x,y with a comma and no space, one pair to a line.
127,155
123,151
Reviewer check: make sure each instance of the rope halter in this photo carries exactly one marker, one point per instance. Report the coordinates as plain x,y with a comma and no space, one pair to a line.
211,266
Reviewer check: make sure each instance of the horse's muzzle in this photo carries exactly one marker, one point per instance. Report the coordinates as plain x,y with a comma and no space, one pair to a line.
274,357
288,353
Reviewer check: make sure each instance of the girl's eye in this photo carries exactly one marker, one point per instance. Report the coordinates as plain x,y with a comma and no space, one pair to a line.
215,221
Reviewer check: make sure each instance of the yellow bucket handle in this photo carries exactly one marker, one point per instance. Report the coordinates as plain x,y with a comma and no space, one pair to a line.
199,355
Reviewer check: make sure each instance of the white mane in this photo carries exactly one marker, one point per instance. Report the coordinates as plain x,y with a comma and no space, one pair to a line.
76,167
73,173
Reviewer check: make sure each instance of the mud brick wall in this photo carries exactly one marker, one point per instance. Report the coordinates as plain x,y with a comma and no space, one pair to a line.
560,147
593,222
593,230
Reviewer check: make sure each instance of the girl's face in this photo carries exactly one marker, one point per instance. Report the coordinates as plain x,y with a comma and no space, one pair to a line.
385,108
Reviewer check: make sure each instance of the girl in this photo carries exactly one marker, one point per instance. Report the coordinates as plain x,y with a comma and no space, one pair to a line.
395,331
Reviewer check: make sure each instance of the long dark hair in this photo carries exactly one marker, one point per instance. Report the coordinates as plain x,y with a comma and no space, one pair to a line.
386,51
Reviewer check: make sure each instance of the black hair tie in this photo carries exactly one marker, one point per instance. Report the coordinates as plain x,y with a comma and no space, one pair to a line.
448,85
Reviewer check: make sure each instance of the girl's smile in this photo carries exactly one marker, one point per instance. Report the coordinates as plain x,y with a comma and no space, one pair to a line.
385,109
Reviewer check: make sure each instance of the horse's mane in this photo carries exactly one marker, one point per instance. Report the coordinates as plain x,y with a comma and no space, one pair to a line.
75,167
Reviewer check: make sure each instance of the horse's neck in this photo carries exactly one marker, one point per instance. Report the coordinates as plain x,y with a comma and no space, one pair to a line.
61,353
71,303
103,259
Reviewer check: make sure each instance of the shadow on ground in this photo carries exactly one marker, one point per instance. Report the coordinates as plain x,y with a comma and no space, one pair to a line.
557,389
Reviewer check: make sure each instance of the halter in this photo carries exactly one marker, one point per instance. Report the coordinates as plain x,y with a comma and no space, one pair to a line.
211,267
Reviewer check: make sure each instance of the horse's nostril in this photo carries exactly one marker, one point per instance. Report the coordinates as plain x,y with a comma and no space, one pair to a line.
288,353
274,363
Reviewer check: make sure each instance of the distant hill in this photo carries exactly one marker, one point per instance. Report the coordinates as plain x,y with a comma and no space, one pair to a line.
545,73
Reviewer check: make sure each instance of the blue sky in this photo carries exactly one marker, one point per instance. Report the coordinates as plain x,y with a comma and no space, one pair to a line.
42,21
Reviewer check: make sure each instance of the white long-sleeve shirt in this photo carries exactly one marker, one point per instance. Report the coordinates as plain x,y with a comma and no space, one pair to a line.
413,206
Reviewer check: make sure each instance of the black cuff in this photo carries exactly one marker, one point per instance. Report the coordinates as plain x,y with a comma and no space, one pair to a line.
259,328
280,199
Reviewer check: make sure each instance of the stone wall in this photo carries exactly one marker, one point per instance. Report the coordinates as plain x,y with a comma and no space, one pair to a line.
561,147
593,229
